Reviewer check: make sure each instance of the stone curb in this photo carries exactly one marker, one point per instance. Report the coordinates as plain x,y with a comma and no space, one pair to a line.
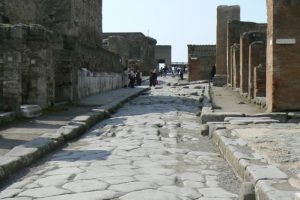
24,155
270,182
7,117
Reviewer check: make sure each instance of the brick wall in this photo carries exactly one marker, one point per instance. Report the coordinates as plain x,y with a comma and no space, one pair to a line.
245,41
283,71
257,57
259,81
201,58
234,30
224,14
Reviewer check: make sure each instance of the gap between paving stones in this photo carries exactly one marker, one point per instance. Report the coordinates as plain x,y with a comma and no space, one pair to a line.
24,155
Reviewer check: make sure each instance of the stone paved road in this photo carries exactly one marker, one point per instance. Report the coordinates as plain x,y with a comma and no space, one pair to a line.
151,149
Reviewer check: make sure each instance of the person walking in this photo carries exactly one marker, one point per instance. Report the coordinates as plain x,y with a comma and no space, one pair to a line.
131,76
213,72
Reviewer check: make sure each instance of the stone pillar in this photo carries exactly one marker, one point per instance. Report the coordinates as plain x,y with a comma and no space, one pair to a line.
283,60
259,81
234,30
224,13
257,57
245,41
236,65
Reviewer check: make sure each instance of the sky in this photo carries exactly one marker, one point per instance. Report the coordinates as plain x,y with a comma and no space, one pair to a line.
175,22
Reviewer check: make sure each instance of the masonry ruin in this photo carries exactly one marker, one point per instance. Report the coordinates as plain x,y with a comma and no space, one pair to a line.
200,60
224,14
235,29
136,50
56,53
163,54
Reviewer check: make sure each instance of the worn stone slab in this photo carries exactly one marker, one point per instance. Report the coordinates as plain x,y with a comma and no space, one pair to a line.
132,186
85,186
218,116
71,131
43,192
149,195
216,193
297,196
97,195
280,116
255,173
228,119
31,111
274,189
182,192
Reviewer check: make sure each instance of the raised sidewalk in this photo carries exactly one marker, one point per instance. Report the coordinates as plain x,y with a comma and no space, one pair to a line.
262,148
23,142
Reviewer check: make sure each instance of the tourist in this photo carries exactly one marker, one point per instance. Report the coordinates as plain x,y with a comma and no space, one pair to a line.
153,78
131,76
212,72
138,77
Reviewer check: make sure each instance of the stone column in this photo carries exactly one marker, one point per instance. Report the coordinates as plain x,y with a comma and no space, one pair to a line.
224,13
257,56
283,60
236,65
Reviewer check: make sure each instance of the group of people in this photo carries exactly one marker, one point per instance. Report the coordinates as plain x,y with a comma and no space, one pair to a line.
134,77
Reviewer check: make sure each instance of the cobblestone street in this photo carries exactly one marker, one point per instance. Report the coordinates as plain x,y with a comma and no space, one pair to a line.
150,149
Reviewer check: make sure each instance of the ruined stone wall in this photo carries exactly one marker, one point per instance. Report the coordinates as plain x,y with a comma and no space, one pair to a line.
16,11
283,72
245,41
224,14
141,49
164,52
201,58
236,65
27,66
257,57
234,31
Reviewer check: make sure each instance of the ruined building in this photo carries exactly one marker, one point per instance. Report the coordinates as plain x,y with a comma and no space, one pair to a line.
163,54
136,50
51,51
201,58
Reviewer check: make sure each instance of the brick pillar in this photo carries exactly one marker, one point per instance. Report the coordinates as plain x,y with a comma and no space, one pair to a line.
259,81
257,56
236,65
194,69
283,60
224,13
245,41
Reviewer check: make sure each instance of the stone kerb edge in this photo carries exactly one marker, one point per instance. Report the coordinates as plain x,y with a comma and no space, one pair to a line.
248,168
29,152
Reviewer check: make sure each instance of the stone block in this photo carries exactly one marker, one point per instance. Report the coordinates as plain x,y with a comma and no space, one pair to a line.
218,116
71,131
255,173
31,111
274,189
280,116
9,165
